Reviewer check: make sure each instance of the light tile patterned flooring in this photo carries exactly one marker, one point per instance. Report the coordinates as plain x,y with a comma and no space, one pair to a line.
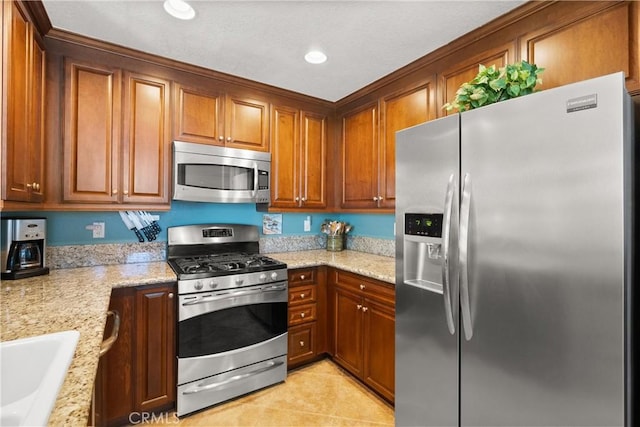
321,394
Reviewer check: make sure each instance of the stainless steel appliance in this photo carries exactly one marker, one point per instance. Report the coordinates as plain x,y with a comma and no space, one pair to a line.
208,173
23,247
515,258
232,314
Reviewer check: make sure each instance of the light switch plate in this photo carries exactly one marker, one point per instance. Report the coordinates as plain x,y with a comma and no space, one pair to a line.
98,230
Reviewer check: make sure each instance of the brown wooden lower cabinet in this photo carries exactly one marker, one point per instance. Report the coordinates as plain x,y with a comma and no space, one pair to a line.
362,323
137,375
307,315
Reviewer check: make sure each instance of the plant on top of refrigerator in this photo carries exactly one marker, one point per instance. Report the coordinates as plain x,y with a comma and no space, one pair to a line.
496,84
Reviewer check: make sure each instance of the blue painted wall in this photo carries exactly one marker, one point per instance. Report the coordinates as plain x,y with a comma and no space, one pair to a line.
68,228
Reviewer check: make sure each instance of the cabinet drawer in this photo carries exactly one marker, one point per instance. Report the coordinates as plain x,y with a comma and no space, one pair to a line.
301,276
302,343
302,294
301,314
365,286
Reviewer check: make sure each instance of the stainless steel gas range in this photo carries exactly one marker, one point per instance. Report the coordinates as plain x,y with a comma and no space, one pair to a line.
232,314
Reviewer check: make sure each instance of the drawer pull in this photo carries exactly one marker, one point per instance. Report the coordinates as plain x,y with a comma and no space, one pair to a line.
302,277
301,343
362,286
358,307
301,295
302,315
365,309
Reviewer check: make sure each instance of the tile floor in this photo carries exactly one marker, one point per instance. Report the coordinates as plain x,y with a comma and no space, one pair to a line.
321,394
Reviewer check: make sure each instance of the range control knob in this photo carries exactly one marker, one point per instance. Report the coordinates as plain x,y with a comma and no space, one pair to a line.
274,276
262,277
198,285
212,284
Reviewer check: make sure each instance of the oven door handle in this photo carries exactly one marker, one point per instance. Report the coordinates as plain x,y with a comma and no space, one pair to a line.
225,295
204,387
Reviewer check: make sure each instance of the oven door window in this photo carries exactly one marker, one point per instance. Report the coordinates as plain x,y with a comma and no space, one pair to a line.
216,177
231,329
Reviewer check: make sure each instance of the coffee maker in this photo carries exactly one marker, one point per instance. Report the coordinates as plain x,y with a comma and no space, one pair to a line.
23,247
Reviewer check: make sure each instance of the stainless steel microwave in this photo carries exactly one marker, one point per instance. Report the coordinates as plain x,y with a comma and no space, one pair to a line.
209,173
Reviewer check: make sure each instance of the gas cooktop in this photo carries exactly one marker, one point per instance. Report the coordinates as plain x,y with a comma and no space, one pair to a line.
220,264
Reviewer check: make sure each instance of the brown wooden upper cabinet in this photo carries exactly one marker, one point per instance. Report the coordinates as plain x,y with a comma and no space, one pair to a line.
116,136
465,70
606,42
213,117
23,66
368,145
298,159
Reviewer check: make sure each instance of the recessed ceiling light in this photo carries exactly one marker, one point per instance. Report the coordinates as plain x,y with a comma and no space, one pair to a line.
179,9
315,57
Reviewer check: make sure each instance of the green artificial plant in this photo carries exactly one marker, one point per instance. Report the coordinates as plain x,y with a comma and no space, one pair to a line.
495,85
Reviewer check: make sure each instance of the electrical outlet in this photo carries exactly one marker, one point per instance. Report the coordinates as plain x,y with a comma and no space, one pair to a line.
98,230
307,224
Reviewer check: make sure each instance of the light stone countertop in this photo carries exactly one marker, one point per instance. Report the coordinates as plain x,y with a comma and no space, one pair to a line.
78,299
66,299
374,266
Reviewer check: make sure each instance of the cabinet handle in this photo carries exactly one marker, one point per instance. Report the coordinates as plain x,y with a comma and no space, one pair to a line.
362,286
358,307
229,139
106,345
375,198
297,198
126,193
365,309
302,277
171,295
301,295
114,191
301,343
29,185
37,186
303,199
302,315
221,138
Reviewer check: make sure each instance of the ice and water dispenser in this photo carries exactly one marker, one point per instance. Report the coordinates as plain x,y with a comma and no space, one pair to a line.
423,250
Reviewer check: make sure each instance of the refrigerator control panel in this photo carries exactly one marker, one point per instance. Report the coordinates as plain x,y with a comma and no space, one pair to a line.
423,224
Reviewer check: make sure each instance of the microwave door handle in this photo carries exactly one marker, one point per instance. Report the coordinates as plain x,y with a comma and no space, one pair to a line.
255,180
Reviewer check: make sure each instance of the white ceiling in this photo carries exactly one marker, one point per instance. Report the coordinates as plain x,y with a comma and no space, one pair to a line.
265,41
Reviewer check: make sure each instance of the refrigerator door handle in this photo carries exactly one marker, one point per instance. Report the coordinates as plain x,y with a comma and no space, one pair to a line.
465,210
446,261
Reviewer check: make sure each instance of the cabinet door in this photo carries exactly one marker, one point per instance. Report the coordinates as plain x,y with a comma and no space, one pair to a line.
147,140
91,132
197,115
36,122
23,165
313,156
452,78
379,348
348,331
114,397
400,111
246,123
285,152
155,385
360,158
587,48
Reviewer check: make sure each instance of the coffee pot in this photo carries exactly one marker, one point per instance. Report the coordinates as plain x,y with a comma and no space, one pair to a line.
23,247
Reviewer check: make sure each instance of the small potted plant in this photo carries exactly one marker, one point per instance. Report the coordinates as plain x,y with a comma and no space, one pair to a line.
496,84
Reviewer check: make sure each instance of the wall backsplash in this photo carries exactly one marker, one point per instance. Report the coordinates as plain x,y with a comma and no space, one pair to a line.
70,243
72,256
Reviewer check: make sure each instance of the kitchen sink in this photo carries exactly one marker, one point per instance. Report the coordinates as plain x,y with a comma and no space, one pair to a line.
33,370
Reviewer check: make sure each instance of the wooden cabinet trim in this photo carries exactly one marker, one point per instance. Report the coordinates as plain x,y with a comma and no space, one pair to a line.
302,314
197,114
302,294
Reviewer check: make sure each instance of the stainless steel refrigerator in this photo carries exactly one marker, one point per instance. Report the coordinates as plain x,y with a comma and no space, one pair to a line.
515,262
